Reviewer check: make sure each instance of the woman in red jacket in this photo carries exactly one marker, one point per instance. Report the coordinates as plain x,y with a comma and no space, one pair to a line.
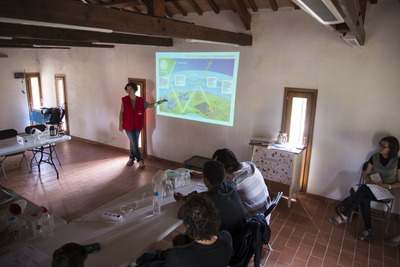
131,119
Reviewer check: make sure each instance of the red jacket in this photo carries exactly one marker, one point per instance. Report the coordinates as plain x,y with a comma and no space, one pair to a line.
133,119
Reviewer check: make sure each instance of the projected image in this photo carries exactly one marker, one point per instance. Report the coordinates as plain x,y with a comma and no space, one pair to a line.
198,86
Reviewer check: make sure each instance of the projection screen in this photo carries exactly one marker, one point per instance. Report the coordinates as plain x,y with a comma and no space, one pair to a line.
198,86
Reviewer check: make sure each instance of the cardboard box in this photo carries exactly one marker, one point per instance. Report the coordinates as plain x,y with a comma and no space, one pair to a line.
25,138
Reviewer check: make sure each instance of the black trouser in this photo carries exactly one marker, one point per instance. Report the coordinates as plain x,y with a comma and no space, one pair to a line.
362,197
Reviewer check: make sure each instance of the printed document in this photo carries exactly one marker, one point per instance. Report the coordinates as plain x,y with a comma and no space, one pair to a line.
380,192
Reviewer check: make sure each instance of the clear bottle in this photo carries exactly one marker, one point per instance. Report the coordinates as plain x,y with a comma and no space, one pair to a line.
12,227
280,138
156,203
186,179
168,188
46,223
284,138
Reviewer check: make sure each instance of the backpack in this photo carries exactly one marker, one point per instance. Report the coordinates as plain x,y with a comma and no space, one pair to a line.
345,202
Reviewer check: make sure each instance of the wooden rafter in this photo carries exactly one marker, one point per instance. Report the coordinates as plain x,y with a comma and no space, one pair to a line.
214,6
119,3
274,5
243,13
51,33
180,8
253,5
352,17
116,20
196,7
52,43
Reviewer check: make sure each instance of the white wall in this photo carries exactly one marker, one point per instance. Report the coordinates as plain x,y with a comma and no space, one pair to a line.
358,90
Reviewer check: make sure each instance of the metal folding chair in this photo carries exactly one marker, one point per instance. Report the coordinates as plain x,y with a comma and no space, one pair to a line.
386,203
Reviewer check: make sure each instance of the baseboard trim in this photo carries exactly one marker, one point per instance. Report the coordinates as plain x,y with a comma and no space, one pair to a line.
124,150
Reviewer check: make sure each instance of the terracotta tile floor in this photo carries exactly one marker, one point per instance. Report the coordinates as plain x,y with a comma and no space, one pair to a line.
92,175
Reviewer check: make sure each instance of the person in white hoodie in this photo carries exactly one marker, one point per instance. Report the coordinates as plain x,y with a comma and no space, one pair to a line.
248,180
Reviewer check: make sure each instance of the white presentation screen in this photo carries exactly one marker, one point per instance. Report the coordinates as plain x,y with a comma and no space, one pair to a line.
198,86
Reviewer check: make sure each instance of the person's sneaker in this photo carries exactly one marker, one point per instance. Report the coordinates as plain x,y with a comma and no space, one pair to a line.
141,164
130,162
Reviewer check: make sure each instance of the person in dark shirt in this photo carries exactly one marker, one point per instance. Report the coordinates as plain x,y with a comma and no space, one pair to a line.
69,255
210,247
225,197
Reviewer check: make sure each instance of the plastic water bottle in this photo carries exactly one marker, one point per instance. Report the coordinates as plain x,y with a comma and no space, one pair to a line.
46,223
168,188
186,178
13,227
156,203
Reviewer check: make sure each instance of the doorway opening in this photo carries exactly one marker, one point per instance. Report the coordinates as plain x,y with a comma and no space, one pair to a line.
33,91
61,95
298,118
141,92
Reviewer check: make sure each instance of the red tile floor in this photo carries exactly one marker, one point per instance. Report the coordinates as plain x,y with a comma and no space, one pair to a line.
92,175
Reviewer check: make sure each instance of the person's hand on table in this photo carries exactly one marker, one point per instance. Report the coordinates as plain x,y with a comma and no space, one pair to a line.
178,196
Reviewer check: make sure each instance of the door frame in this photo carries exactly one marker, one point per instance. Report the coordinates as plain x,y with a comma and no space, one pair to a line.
65,104
29,90
285,126
142,85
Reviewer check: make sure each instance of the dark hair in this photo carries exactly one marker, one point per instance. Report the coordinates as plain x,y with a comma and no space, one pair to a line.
226,157
201,217
133,85
214,172
393,145
69,255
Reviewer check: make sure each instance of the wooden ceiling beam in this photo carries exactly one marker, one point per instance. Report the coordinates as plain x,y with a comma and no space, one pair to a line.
253,5
180,8
274,5
119,3
116,20
51,33
243,13
214,6
51,43
195,7
352,17
156,8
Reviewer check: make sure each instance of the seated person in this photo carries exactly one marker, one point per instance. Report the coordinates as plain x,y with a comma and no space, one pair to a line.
387,164
69,255
209,248
225,197
248,180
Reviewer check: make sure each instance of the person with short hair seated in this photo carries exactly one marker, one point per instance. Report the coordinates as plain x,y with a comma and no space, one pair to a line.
248,180
209,248
69,255
225,197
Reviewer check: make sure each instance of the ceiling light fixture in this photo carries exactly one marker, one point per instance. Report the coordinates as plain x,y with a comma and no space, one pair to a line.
55,25
210,42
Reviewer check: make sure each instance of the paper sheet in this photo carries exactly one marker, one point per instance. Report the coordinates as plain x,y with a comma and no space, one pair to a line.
26,256
376,178
380,192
